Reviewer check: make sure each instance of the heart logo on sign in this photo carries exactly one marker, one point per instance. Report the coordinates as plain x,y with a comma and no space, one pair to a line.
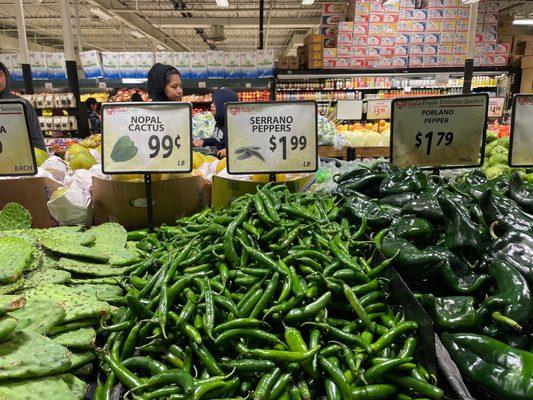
235,110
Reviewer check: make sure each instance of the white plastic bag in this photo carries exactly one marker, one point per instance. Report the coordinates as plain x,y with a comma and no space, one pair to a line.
56,167
71,204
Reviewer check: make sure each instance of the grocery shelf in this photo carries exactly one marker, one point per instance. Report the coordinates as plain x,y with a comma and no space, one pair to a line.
380,88
346,73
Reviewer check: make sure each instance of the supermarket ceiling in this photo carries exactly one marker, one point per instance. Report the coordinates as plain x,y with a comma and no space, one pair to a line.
191,25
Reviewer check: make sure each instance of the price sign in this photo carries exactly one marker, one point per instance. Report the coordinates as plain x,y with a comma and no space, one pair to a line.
146,138
16,150
521,141
439,131
272,137
350,109
378,109
496,107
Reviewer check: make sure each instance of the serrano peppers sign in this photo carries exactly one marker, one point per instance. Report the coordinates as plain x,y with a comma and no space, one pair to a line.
439,131
521,141
16,151
145,138
271,137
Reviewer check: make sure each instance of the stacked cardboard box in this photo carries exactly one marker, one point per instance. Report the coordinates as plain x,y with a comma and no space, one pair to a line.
314,47
399,35
290,62
332,15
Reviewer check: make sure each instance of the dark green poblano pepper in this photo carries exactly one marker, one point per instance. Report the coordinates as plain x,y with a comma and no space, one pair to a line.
505,212
452,313
501,370
425,206
516,248
411,261
521,192
510,304
418,231
410,179
461,233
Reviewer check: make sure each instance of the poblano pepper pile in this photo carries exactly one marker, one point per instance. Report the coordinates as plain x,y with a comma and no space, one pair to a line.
276,297
467,246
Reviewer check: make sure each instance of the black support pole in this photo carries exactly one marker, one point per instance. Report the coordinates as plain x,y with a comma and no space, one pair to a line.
261,24
469,72
74,87
28,82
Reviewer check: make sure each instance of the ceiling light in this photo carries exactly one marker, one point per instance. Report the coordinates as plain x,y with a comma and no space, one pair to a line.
160,47
388,2
222,3
137,34
98,12
307,2
523,21
469,1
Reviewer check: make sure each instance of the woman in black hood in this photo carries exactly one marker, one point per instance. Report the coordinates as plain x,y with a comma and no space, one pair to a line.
37,137
220,98
164,83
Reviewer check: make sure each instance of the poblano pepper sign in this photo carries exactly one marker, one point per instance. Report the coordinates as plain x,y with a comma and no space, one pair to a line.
439,131
146,138
271,137
16,152
521,141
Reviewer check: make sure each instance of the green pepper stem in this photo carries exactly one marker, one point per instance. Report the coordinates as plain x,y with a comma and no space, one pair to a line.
499,317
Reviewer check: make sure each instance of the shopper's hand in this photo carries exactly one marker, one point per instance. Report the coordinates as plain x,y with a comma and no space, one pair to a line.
198,143
221,153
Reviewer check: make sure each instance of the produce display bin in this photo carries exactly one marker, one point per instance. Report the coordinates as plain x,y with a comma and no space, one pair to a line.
33,194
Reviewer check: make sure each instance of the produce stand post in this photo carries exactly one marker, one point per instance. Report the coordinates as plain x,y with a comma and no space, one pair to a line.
149,202
469,61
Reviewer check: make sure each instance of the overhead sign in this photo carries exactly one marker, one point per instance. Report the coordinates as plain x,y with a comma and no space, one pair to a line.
378,109
496,105
439,131
16,151
141,138
272,137
521,141
350,109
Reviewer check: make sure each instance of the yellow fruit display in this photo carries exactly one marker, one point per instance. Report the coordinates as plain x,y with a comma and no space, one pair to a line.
135,178
40,156
82,160
75,149
260,178
221,165
197,159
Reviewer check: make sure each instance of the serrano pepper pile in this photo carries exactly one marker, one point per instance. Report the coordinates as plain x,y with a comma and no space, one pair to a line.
276,297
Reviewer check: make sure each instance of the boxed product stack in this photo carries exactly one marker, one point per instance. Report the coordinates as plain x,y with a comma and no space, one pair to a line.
488,51
408,33
332,15
314,48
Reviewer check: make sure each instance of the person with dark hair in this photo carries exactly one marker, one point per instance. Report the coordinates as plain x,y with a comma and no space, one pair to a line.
95,123
220,98
136,97
37,138
164,83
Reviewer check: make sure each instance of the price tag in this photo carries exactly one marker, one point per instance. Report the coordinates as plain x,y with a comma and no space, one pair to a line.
521,140
48,85
16,150
496,107
378,109
102,85
146,138
247,85
439,131
272,137
201,85
350,109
